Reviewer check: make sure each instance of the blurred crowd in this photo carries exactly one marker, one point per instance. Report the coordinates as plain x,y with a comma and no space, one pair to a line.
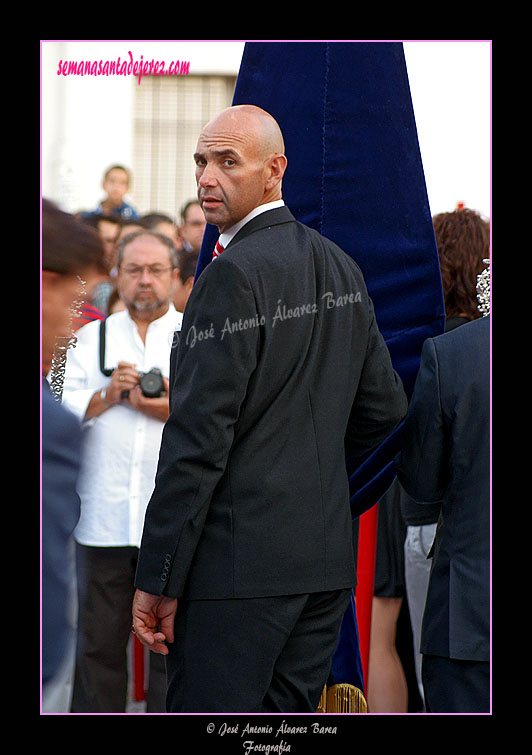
114,218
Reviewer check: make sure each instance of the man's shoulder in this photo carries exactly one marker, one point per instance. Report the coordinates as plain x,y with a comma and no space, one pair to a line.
284,236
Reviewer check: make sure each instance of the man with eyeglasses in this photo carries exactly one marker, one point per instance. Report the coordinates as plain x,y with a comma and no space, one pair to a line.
122,430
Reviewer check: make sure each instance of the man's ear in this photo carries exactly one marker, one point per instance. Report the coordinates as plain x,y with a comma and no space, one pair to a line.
277,168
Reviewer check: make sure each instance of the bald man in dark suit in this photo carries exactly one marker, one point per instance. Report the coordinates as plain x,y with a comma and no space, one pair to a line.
280,365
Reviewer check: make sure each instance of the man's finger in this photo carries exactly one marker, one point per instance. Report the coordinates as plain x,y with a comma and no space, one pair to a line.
167,628
160,644
156,642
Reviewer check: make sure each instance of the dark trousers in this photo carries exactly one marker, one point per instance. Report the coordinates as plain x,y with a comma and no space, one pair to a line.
105,594
257,655
455,686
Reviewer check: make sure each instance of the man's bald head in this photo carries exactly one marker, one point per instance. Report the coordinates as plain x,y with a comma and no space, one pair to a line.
256,123
240,163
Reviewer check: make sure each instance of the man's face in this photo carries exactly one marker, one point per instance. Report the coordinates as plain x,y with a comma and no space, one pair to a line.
108,233
230,173
193,228
145,277
116,185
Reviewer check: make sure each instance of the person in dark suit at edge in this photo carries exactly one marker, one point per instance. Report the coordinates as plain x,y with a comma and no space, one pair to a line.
70,251
445,457
463,243
246,563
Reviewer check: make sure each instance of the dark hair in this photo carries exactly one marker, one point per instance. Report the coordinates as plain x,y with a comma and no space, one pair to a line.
187,263
463,241
68,246
93,219
89,219
124,222
135,234
152,219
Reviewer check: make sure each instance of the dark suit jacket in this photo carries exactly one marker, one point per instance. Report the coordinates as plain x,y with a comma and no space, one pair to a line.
279,359
61,448
445,457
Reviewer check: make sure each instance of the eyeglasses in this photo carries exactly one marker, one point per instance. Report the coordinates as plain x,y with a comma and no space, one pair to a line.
135,271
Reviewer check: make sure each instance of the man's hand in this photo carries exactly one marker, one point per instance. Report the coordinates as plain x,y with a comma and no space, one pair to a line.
159,408
153,620
124,378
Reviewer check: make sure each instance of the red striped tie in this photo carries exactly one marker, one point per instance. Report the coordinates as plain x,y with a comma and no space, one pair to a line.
218,249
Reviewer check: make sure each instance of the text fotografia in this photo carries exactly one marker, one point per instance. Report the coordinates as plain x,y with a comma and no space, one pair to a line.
250,746
282,314
126,67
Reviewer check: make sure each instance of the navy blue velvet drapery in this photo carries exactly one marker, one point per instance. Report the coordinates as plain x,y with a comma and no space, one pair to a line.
355,174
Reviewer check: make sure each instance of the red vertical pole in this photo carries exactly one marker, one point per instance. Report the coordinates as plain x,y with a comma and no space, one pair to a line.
138,670
367,548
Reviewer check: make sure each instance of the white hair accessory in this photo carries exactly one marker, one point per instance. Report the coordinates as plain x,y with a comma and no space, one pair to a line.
484,290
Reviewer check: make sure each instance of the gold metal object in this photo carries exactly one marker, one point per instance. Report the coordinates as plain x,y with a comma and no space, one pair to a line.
342,698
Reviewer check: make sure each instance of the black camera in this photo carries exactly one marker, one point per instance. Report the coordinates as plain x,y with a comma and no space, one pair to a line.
151,384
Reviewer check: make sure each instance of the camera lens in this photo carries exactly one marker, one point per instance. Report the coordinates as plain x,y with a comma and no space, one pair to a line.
151,383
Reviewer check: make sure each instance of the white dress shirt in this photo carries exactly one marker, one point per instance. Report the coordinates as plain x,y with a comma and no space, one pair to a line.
227,235
121,445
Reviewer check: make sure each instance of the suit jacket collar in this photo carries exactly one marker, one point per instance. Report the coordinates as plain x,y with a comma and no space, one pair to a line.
276,216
